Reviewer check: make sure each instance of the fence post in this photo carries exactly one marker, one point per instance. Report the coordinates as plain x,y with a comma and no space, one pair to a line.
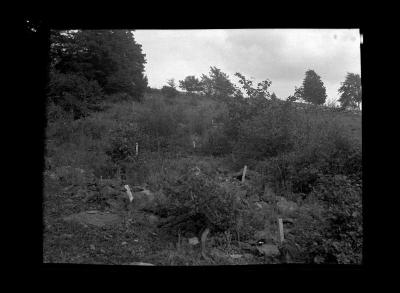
244,173
128,191
280,226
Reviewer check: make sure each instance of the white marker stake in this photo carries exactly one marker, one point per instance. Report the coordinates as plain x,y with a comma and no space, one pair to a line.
280,224
244,173
194,144
128,191
137,149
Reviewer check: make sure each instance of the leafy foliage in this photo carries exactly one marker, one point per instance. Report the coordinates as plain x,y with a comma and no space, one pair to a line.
169,92
197,201
74,93
86,65
350,91
336,236
190,84
261,92
217,84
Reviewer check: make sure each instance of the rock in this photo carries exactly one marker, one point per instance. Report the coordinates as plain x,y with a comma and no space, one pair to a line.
286,207
92,247
94,218
193,241
269,250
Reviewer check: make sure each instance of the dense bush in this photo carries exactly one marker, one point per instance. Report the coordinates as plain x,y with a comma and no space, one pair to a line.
335,236
74,93
157,123
195,201
216,142
267,134
169,92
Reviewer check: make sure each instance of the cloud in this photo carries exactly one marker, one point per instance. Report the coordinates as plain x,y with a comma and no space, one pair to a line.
281,55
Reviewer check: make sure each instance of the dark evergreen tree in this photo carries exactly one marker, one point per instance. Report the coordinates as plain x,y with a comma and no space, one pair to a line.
313,89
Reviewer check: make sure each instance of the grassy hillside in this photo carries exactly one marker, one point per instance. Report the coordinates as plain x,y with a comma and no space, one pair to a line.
310,158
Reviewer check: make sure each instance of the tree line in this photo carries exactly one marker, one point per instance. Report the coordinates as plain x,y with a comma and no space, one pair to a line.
88,67
311,91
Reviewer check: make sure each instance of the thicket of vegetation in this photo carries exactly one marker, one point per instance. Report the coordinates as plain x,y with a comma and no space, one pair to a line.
97,115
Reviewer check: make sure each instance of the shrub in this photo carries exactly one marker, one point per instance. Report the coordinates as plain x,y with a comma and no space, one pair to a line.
267,134
195,200
215,142
319,147
333,235
169,92
157,124
74,93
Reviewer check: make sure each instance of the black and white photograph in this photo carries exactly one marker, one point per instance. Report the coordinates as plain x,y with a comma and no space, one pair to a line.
203,147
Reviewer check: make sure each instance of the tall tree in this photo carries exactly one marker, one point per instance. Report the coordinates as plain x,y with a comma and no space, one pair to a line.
171,83
217,84
350,91
110,57
190,84
313,89
206,85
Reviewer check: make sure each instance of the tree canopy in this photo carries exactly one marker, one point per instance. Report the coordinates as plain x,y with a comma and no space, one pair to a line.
190,84
350,91
312,90
217,84
109,58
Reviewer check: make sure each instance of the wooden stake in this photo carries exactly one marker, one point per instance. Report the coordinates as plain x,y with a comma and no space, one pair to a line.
203,241
137,149
128,191
179,240
194,144
280,225
244,173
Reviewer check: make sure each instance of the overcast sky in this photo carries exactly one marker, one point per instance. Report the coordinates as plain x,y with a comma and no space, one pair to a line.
281,55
